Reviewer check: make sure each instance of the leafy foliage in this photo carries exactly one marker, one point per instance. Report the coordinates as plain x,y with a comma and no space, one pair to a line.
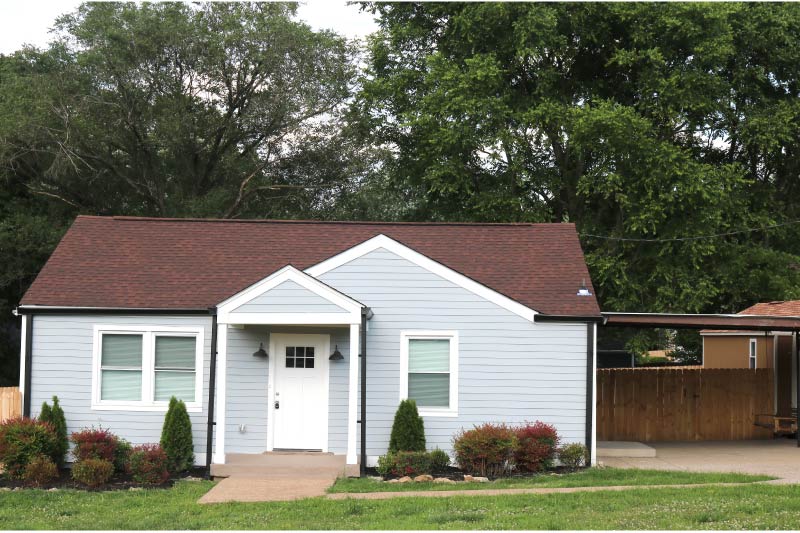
148,464
21,441
91,443
405,464
40,471
55,417
408,429
536,446
92,472
122,455
439,460
176,437
486,450
573,455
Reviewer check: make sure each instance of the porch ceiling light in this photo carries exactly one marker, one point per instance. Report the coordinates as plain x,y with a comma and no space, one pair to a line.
261,352
336,355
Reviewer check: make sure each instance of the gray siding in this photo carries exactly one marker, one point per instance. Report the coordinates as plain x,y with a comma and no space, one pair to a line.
62,366
289,297
510,370
247,384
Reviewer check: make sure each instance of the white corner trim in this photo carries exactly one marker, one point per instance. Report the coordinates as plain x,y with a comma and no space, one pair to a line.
382,241
227,308
22,349
452,336
149,334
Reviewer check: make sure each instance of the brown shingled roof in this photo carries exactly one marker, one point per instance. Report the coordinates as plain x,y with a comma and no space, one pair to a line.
131,262
775,308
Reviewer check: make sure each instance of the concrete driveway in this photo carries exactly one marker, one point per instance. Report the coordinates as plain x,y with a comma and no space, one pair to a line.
778,457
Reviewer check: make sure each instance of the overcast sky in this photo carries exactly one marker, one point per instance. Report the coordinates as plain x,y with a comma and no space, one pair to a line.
28,21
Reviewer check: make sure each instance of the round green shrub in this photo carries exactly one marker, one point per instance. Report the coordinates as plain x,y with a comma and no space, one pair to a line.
122,454
408,429
23,439
486,450
40,471
404,464
573,456
92,472
176,437
439,460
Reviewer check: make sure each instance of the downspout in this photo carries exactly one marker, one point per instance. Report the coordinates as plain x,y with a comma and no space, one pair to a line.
797,385
26,399
363,463
212,385
589,390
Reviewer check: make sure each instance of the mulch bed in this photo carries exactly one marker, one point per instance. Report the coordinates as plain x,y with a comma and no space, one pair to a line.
457,475
118,482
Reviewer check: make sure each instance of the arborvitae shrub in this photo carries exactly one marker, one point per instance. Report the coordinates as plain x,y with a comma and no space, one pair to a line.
176,437
55,417
408,429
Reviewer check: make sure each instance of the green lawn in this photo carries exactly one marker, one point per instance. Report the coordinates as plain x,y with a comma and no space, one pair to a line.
743,507
593,477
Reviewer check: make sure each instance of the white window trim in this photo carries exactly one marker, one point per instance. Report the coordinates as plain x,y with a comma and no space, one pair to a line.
752,353
149,334
452,336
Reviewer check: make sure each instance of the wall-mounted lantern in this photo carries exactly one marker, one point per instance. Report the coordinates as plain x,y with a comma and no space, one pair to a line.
261,352
336,355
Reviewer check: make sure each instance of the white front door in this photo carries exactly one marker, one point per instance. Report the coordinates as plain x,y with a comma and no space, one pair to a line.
300,399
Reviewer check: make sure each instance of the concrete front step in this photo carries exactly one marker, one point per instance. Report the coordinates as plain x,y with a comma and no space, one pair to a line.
296,465
624,449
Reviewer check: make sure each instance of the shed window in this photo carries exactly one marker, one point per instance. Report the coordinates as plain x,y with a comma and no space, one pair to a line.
753,353
429,375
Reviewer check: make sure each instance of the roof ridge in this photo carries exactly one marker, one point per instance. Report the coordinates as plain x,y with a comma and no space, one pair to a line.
121,218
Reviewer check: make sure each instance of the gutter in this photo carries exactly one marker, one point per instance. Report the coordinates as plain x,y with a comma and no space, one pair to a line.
590,319
212,385
57,310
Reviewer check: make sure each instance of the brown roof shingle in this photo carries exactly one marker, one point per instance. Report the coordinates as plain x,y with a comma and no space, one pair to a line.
132,262
775,308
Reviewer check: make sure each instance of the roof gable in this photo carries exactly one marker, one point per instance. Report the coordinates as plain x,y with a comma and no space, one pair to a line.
124,262
443,271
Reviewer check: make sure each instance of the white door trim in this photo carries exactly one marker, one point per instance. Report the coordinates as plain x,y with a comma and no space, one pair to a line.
274,340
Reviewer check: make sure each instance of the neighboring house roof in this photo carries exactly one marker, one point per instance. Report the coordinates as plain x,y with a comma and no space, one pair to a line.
128,262
776,308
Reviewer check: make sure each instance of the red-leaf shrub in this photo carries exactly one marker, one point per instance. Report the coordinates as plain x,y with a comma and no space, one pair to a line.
486,450
92,472
91,443
40,471
536,446
404,464
148,464
23,439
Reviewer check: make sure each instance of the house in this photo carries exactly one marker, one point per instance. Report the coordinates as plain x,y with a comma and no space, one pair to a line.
753,349
259,326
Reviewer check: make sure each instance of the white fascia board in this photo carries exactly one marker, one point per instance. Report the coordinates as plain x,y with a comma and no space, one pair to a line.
382,241
298,319
289,273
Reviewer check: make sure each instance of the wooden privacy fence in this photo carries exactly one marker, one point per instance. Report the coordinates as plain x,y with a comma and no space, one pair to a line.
668,404
10,403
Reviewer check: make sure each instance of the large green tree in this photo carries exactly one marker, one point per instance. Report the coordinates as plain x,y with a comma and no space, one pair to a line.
168,109
651,122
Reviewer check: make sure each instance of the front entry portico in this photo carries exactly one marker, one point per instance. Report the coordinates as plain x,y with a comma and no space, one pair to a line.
289,395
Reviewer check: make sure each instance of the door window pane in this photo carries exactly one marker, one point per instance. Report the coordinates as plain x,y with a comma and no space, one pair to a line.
299,357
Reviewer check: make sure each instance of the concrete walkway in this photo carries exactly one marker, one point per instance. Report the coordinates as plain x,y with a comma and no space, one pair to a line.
274,477
779,458
505,492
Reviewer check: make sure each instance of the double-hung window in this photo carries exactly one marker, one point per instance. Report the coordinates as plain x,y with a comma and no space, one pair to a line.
429,371
140,368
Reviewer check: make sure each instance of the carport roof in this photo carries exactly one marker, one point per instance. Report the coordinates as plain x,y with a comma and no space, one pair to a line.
700,321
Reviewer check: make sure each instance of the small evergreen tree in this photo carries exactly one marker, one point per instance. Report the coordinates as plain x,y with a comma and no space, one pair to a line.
55,417
408,429
176,437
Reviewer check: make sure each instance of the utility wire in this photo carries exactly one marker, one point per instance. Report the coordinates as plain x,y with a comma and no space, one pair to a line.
695,238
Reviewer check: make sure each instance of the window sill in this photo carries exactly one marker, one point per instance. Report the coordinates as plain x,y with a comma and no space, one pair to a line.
433,412
143,407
